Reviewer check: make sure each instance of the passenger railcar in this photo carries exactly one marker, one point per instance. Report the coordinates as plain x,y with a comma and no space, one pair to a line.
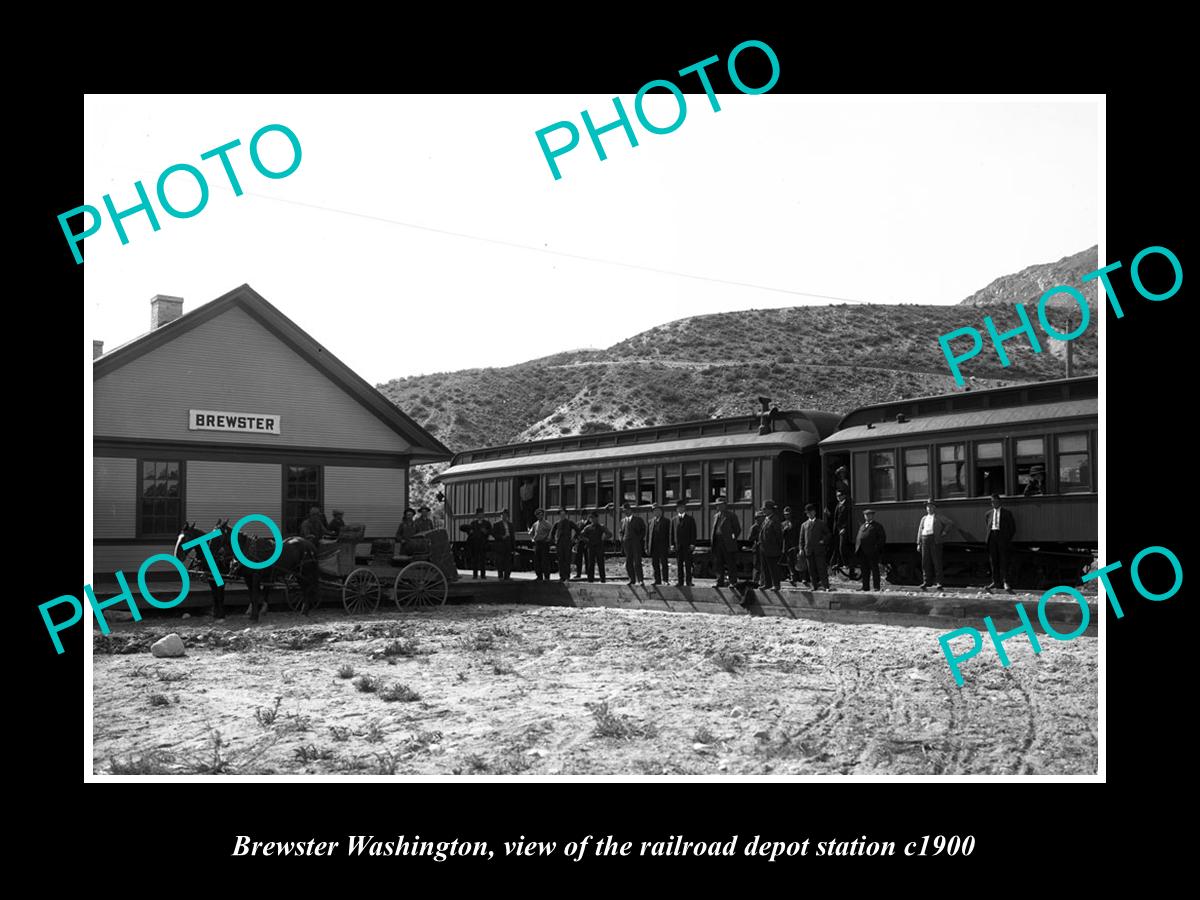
745,460
959,449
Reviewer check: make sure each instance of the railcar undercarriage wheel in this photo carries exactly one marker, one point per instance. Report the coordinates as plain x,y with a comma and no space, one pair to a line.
361,591
420,584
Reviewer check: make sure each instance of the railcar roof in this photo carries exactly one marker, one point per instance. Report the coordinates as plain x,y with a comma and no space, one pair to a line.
1008,415
726,443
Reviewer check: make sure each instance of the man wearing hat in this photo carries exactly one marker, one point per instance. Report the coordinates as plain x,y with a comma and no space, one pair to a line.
594,534
336,524
539,532
814,540
633,542
683,537
752,538
562,537
770,547
931,532
726,529
478,532
504,535
791,543
424,523
314,526
407,530
1037,475
580,545
869,546
1000,526
660,545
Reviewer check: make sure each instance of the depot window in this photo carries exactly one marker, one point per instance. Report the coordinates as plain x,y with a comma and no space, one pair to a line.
1074,463
160,498
989,468
883,475
952,463
301,492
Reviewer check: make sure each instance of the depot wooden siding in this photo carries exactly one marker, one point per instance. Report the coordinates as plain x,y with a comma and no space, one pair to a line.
372,497
114,497
128,558
221,490
233,363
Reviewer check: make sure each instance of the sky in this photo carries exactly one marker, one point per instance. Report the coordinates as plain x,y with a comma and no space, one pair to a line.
392,243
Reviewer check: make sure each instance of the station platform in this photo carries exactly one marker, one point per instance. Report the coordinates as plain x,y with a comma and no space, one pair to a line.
948,608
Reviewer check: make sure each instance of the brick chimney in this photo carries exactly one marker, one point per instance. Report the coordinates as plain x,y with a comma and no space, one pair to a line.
97,349
164,309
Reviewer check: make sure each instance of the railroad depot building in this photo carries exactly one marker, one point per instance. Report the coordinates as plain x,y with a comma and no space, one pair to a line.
230,410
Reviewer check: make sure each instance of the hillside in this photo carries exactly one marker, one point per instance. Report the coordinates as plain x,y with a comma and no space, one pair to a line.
1030,283
833,357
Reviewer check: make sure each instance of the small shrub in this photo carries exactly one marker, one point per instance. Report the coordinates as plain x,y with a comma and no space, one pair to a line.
367,684
153,763
499,667
373,734
728,662
399,693
159,700
311,753
340,733
345,670
266,716
614,725
704,736
406,647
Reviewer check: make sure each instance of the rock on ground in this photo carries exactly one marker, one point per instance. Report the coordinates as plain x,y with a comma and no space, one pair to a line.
171,645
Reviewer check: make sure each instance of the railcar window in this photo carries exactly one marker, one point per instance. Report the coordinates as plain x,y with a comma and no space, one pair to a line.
569,497
553,492
1074,464
671,485
590,497
647,486
629,486
718,488
989,468
1031,455
607,497
162,497
743,481
952,460
691,482
883,475
916,473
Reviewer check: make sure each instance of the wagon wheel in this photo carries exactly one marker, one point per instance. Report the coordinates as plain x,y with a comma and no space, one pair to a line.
361,591
420,584
292,595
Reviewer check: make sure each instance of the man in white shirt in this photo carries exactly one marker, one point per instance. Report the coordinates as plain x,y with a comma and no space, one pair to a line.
931,531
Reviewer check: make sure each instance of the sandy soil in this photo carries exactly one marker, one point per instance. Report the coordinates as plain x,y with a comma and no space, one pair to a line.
550,690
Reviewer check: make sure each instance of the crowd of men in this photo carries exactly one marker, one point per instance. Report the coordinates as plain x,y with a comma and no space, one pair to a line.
801,551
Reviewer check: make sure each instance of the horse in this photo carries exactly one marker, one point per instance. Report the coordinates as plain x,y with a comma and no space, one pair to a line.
222,556
297,557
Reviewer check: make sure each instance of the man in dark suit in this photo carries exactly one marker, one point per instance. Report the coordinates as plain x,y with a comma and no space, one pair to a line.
633,542
478,531
504,535
562,538
869,546
580,546
770,547
726,529
1001,526
791,543
594,534
843,527
660,545
683,537
814,539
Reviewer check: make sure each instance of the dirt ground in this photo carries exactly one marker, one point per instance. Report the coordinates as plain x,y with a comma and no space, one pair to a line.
550,690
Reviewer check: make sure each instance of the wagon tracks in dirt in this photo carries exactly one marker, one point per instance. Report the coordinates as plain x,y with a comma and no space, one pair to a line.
1024,765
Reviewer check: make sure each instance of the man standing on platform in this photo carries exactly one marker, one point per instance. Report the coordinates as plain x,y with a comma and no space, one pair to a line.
580,546
931,531
594,534
660,545
770,547
683,537
539,532
478,532
843,528
869,546
562,537
1001,526
504,535
814,538
633,542
791,543
726,529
